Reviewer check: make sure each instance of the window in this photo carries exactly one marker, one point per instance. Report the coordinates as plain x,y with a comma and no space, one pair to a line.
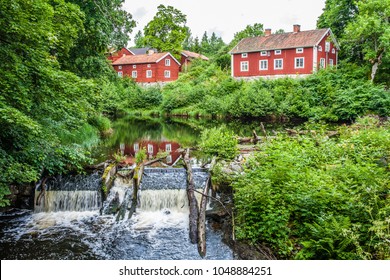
299,62
136,147
167,74
169,159
244,55
120,74
149,65
150,149
167,62
264,53
263,64
134,66
168,147
333,50
149,73
278,52
327,46
299,50
134,74
278,64
244,66
120,67
320,48
331,62
322,63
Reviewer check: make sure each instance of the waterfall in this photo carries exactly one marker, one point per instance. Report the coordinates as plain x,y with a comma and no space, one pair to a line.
70,193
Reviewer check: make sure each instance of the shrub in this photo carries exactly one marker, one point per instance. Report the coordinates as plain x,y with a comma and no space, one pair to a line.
219,142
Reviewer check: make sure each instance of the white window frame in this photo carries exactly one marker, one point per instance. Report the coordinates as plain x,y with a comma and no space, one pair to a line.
320,48
134,66
333,51
149,74
120,74
120,67
169,159
263,53
149,65
299,50
167,74
150,149
261,62
244,66
168,147
134,74
296,66
276,61
167,62
244,55
322,63
278,52
136,147
331,63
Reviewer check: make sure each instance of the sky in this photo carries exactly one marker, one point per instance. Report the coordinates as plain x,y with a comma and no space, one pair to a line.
228,17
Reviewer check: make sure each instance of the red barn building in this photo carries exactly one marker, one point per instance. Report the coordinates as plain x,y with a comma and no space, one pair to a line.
187,57
298,53
148,68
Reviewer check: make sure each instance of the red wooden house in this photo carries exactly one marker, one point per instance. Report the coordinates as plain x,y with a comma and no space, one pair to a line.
148,68
152,149
298,53
187,57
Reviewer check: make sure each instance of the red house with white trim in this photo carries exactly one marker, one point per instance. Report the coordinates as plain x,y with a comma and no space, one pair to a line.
148,68
294,54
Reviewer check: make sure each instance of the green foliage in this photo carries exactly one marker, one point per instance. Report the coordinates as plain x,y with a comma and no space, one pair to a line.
219,142
46,107
249,31
370,31
167,30
140,156
312,197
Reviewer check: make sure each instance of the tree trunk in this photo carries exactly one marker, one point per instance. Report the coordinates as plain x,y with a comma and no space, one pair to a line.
202,220
375,66
193,203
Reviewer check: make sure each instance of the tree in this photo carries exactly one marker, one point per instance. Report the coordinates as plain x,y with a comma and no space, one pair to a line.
205,44
188,43
139,40
167,31
249,31
196,47
108,25
370,31
216,43
336,15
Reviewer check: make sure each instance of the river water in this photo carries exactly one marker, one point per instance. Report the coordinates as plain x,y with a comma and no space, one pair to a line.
67,223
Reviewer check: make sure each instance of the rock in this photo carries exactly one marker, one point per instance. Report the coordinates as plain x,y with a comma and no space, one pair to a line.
236,167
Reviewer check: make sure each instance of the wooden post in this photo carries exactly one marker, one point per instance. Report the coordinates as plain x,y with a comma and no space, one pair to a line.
193,203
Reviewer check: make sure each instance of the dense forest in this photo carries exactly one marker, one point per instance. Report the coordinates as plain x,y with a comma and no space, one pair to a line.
58,93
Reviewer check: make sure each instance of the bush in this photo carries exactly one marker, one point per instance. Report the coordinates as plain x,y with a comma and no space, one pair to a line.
219,142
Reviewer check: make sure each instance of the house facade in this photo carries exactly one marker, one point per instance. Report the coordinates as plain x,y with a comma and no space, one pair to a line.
294,54
148,68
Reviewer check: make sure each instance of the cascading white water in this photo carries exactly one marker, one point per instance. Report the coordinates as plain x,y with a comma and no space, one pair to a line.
79,201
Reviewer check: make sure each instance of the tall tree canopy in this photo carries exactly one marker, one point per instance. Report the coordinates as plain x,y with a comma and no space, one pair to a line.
370,30
254,30
167,31
336,16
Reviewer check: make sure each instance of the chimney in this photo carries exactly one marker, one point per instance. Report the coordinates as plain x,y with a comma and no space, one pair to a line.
297,28
267,31
150,51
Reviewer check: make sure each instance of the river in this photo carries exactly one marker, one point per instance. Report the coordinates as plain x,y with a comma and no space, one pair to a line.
71,226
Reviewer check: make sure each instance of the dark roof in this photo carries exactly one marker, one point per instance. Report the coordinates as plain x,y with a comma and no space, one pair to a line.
142,58
194,55
138,51
281,41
